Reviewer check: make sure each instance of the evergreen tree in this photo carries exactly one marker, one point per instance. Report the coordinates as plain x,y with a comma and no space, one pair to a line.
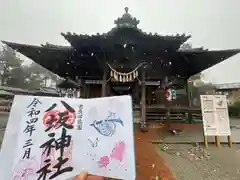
45,74
11,70
14,74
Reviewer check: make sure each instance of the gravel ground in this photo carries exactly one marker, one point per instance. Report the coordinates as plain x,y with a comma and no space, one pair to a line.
193,162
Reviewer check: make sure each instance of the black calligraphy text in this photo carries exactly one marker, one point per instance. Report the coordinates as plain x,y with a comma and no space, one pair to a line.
54,120
32,114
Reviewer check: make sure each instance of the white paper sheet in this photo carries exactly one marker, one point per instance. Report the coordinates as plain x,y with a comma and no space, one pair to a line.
100,141
9,143
215,115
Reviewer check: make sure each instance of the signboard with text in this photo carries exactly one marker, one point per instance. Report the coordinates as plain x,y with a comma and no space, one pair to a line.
215,115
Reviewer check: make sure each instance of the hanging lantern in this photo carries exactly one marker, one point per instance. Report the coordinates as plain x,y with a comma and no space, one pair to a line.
169,94
174,94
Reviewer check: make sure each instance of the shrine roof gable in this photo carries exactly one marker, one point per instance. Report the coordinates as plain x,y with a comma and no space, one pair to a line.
199,60
126,29
62,61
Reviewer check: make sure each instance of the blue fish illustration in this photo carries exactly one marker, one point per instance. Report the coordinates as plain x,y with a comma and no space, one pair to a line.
107,127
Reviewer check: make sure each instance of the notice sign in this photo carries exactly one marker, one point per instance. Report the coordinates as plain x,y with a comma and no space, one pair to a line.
215,115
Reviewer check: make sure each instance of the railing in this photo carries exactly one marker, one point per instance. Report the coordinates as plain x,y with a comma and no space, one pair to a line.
180,115
180,101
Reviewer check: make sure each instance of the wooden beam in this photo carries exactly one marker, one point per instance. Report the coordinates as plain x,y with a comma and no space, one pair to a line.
147,83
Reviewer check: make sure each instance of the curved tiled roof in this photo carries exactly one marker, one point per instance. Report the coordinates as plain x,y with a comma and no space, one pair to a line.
88,54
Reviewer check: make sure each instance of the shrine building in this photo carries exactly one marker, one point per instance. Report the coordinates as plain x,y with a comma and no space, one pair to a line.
126,60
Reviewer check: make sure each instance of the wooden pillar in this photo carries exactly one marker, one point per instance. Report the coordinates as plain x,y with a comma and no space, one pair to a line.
188,94
88,89
83,91
143,101
189,103
104,84
136,93
168,113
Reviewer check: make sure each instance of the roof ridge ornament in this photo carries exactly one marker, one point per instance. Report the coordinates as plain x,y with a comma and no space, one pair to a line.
126,20
126,9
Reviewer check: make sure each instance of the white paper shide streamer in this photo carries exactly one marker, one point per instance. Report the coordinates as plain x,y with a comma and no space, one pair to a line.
124,77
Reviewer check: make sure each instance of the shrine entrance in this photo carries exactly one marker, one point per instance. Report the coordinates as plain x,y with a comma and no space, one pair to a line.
126,88
121,88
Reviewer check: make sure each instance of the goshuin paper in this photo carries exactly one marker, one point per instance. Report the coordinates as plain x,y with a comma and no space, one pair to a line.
57,138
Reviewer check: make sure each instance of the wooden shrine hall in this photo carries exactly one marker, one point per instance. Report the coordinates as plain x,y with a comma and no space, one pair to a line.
126,60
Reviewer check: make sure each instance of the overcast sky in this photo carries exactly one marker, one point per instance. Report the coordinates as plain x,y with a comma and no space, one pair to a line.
214,24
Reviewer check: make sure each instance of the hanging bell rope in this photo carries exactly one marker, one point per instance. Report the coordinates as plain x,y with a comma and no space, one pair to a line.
124,77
